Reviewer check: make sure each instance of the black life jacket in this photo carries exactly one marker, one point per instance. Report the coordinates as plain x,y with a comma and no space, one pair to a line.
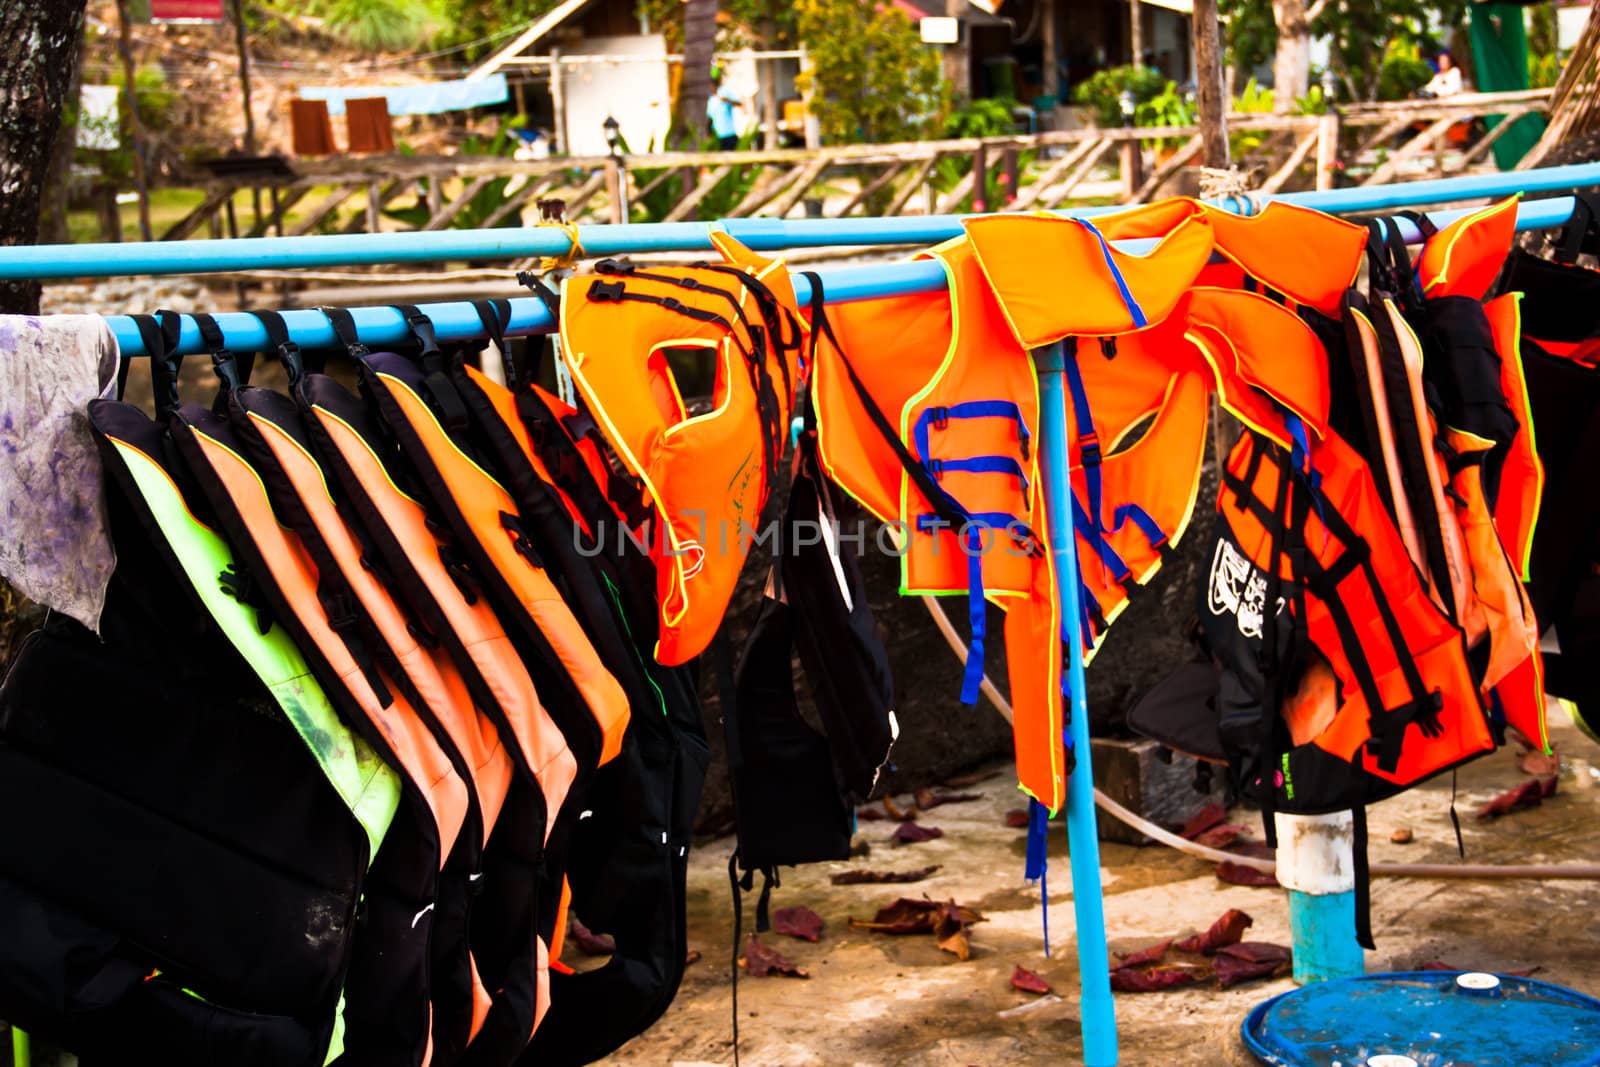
186,827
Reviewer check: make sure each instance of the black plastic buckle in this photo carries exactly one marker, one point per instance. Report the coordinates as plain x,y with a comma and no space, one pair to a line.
289,353
1089,446
606,291
940,417
935,468
1108,347
422,329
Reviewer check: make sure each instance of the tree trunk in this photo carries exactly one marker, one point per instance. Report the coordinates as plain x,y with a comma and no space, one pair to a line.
1291,68
34,79
958,56
133,132
1208,83
1136,33
699,49
56,200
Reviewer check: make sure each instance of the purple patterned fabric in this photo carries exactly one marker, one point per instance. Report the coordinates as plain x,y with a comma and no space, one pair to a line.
55,547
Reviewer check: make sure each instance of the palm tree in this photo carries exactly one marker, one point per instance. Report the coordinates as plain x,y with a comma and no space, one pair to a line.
699,48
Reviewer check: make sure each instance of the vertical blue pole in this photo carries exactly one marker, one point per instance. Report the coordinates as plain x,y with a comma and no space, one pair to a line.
1094,976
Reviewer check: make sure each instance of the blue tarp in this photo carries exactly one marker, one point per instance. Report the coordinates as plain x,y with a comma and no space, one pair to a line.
429,98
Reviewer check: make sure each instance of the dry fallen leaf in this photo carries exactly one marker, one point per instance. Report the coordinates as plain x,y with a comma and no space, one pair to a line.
1153,979
1222,835
693,956
962,781
1205,819
909,833
1231,970
1017,819
761,960
896,813
928,799
1227,930
1143,957
1027,981
869,814
1537,763
1527,795
588,943
799,921
1244,874
881,877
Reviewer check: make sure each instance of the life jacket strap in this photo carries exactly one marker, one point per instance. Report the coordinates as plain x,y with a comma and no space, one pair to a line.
344,328
452,409
232,371
283,346
160,333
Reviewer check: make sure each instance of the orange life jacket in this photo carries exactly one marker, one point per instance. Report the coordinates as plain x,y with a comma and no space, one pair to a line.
388,989
927,412
1304,546
709,476
1489,448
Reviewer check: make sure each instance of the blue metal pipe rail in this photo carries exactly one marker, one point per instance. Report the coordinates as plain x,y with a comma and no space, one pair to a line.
457,321
763,235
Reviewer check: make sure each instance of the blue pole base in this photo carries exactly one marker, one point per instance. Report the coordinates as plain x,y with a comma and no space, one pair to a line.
1324,932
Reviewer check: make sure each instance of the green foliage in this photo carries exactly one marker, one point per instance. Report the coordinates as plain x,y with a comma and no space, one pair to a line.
155,100
382,25
1104,90
980,118
750,23
1544,71
1363,33
1403,72
467,21
1167,108
655,205
873,79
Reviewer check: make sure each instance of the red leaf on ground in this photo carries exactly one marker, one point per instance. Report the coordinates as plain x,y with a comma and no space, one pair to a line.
1153,979
588,943
909,833
761,960
1205,819
1227,930
1256,952
1223,835
799,921
870,814
1526,795
1027,981
881,877
957,942
1231,971
1242,874
1547,786
928,799
904,916
1017,819
1254,849
1143,957
691,957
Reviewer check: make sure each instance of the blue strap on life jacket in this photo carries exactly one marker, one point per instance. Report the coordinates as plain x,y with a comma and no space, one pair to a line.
1139,319
980,465
938,417
1036,865
977,618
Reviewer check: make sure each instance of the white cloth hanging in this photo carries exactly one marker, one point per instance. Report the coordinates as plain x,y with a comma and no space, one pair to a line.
57,545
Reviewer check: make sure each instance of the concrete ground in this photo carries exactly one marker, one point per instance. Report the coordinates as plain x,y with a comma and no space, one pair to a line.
874,999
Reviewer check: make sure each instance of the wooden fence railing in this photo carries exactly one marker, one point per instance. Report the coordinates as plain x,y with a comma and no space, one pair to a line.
1369,144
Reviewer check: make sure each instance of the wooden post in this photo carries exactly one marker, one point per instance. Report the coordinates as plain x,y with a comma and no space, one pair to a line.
1011,172
558,101
958,56
1136,31
110,213
1052,50
244,86
614,180
769,102
1327,148
374,208
1131,164
1208,76
813,126
980,179
131,130
435,194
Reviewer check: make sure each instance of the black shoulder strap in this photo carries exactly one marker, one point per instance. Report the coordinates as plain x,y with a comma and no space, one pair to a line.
1581,232
283,345
942,503
495,315
344,328
452,409
233,370
160,333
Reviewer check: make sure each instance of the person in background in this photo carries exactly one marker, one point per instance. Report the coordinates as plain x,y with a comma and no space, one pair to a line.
1445,83
719,109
